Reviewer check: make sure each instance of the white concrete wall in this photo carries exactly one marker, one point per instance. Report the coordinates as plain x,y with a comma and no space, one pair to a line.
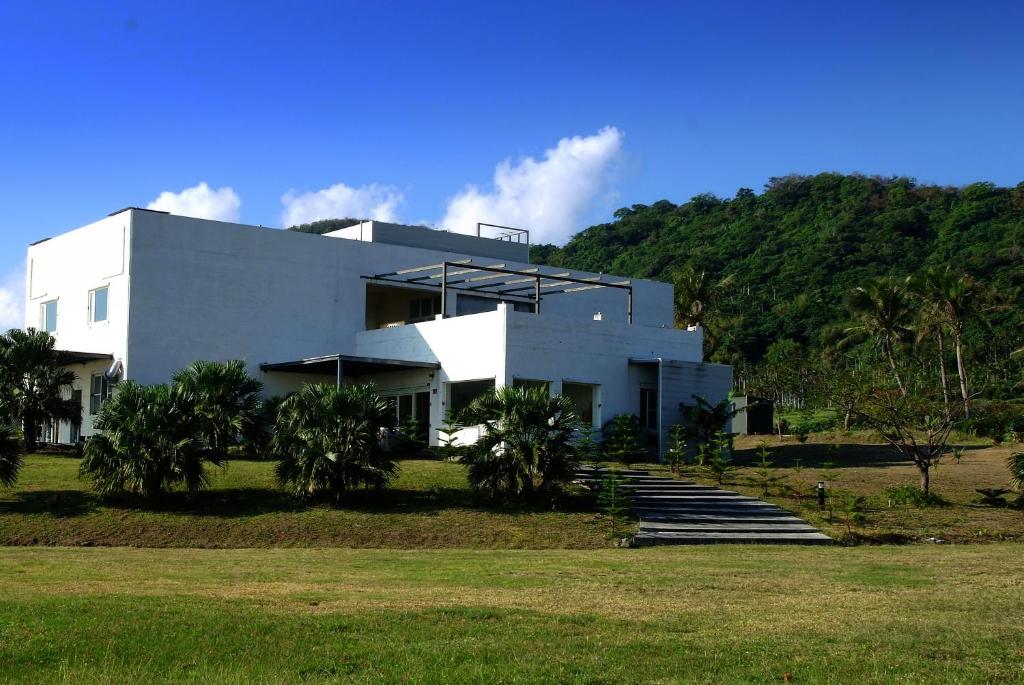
66,268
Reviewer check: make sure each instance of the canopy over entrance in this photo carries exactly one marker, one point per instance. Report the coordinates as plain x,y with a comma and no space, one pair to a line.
530,283
339,365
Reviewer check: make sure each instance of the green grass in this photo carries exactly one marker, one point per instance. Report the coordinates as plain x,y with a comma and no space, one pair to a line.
923,614
428,505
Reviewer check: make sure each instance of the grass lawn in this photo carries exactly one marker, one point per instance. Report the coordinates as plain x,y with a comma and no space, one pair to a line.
428,506
908,614
866,468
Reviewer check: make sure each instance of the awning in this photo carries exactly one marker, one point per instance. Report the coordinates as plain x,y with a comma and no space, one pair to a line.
73,357
350,365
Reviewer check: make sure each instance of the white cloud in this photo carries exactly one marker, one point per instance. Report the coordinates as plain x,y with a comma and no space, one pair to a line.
549,196
12,299
200,201
372,201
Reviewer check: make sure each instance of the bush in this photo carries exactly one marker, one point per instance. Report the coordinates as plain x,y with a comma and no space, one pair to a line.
998,419
151,439
622,440
329,440
527,446
913,496
10,455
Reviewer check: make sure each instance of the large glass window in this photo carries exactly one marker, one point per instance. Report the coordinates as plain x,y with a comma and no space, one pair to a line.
582,396
98,304
48,316
100,390
461,394
424,308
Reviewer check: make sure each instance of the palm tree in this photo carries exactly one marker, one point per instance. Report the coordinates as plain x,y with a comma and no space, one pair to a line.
329,440
961,300
527,445
226,397
694,293
927,287
151,439
33,383
884,313
10,456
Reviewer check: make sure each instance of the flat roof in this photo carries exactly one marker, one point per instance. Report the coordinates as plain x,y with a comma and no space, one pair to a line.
351,365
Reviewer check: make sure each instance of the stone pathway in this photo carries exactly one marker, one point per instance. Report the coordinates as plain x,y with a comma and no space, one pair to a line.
679,512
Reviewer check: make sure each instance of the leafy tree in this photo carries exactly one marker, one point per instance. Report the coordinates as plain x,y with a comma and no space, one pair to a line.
226,398
885,314
11,460
622,439
149,439
329,441
33,383
704,422
911,425
527,445
614,503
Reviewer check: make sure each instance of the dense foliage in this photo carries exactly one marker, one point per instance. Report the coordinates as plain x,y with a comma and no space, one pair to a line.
330,441
33,383
11,460
227,400
150,439
325,225
791,256
527,445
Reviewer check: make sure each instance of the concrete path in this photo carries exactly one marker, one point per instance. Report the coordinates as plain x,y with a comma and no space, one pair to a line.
679,512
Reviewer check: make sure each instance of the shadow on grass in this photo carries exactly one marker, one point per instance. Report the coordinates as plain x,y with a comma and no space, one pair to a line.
57,503
242,502
847,456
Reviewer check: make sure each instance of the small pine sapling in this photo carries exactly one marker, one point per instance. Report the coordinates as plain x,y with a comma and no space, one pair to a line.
612,500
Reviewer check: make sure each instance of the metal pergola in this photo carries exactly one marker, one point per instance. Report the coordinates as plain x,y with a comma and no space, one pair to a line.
528,285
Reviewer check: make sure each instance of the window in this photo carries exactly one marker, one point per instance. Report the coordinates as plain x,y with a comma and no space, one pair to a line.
530,383
461,394
582,396
75,434
648,408
100,390
410,406
48,316
98,305
425,308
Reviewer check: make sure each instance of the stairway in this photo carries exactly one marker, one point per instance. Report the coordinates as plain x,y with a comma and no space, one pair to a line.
679,512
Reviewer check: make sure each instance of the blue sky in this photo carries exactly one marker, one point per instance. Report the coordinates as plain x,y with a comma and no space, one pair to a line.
407,110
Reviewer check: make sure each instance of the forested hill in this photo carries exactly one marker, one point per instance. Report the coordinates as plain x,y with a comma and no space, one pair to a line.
795,251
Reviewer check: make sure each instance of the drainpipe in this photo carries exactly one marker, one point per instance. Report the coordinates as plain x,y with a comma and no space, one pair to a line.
661,408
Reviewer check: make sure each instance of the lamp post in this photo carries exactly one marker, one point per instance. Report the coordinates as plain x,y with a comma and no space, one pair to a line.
821,494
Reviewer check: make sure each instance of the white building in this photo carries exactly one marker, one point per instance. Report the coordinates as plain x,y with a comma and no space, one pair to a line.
431,318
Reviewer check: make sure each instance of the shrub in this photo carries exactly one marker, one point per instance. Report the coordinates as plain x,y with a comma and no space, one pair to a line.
226,399
10,456
622,440
998,420
1015,462
150,439
329,440
527,446
913,496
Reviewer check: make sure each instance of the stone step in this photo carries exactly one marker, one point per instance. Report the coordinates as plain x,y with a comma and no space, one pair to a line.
714,518
705,538
733,527
719,512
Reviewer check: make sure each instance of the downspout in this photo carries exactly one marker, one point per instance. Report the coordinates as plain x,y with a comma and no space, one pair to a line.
661,450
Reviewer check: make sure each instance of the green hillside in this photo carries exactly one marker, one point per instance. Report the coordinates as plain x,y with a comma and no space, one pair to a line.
795,251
